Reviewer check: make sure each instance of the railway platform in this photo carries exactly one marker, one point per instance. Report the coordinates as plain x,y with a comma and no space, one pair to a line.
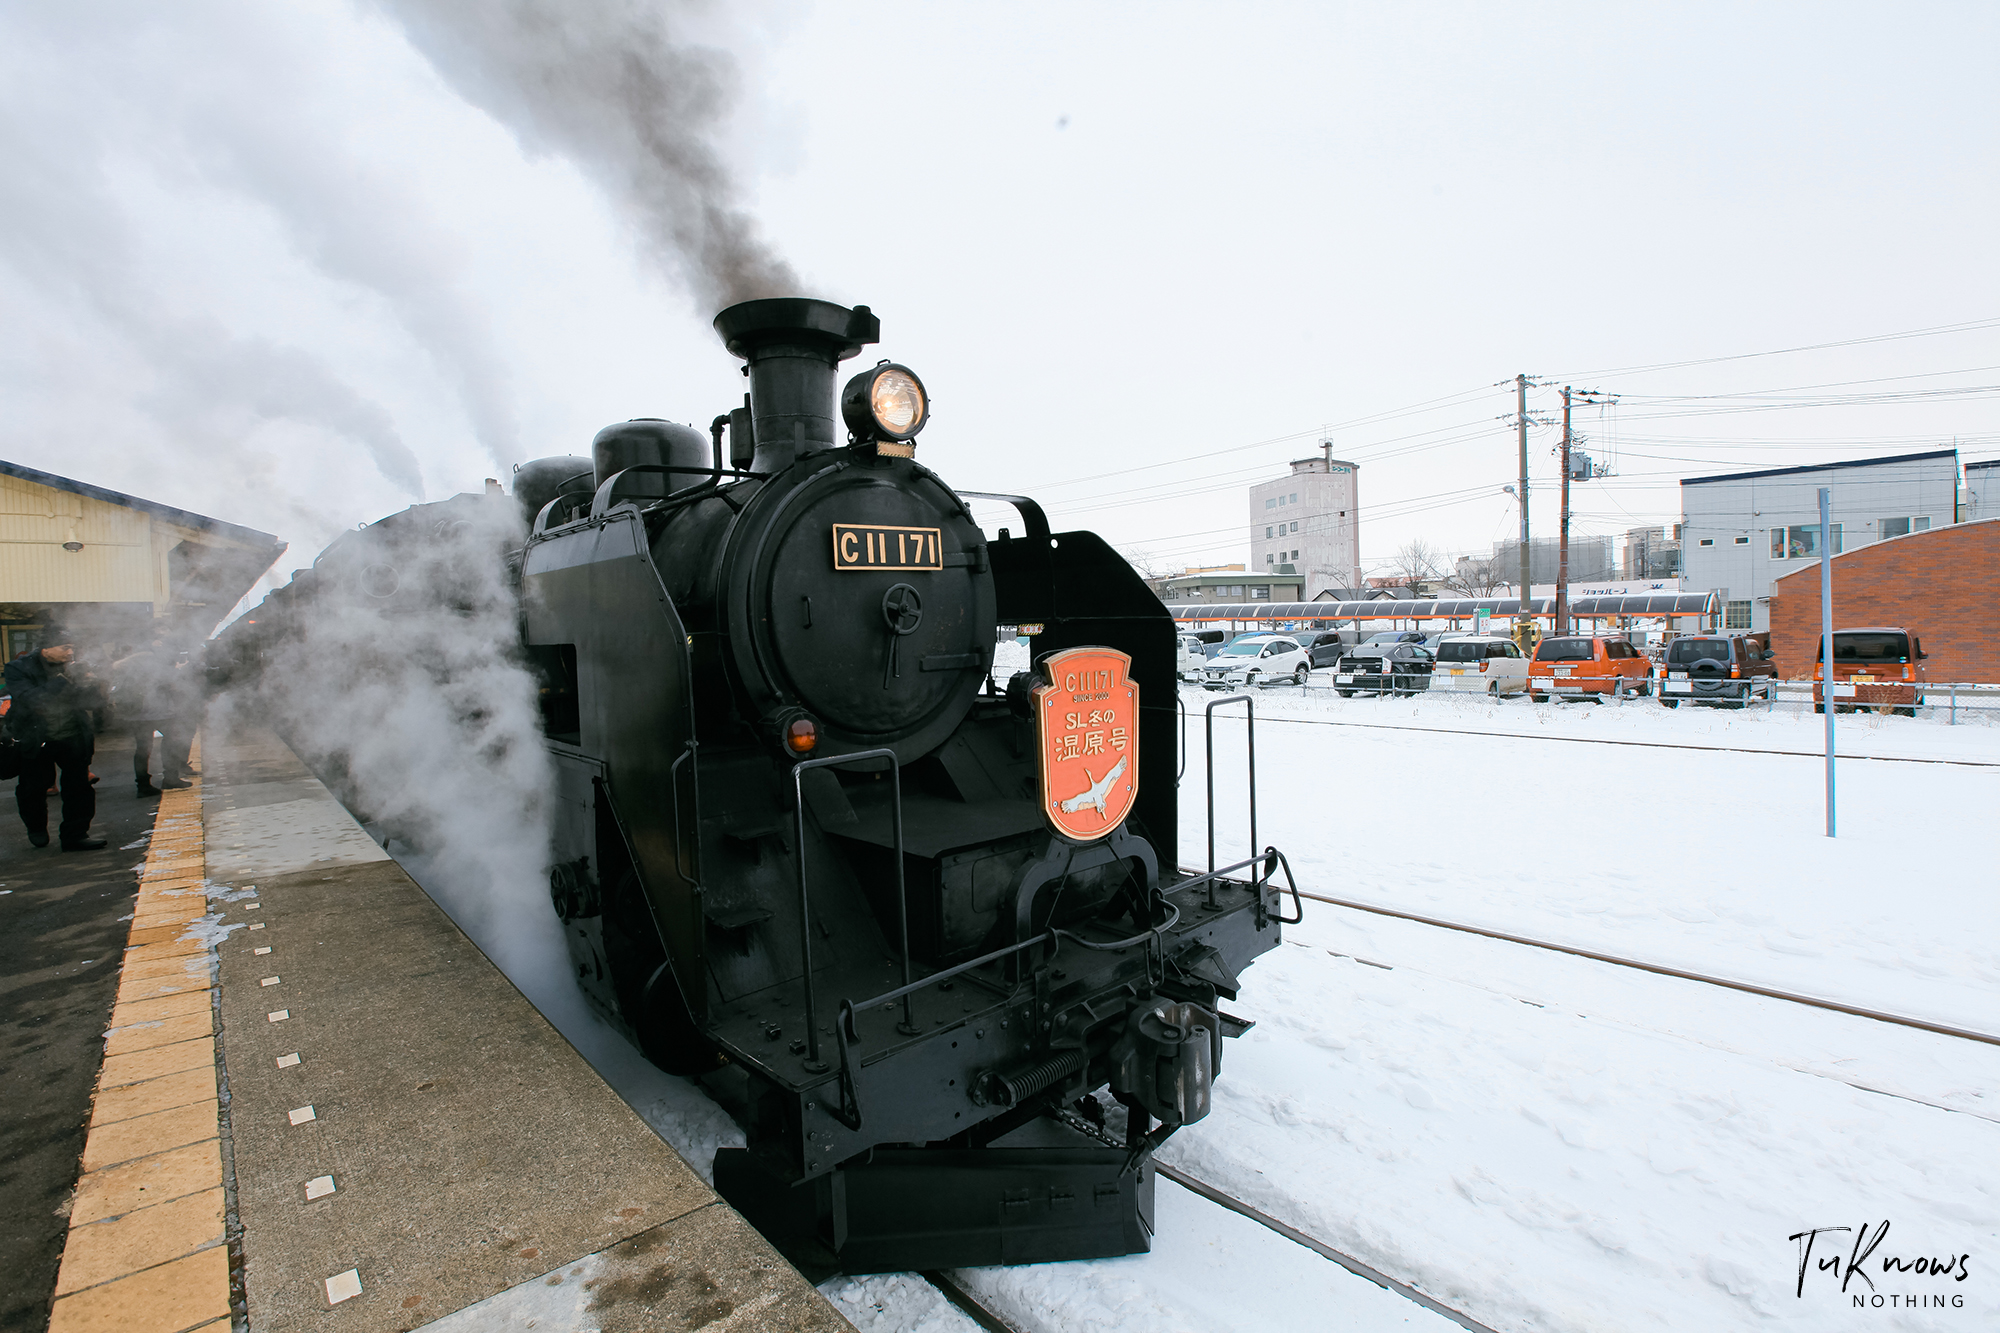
321,1106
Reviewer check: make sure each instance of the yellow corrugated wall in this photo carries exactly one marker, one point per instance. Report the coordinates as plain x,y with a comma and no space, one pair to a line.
118,562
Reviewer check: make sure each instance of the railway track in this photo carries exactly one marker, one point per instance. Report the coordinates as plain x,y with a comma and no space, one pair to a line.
1269,719
1660,969
993,1322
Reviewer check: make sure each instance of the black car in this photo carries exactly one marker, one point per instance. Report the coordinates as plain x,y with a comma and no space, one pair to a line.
1727,669
1403,668
1327,646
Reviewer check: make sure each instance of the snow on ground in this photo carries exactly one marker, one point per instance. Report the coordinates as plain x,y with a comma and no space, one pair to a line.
1544,1142
1712,862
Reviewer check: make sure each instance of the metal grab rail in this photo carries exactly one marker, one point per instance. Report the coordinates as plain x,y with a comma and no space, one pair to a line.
799,770
1208,729
846,1031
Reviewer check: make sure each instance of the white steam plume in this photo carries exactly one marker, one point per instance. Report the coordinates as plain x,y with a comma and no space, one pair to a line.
610,85
419,711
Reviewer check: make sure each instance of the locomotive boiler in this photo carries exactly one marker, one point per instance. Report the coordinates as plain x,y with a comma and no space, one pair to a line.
903,921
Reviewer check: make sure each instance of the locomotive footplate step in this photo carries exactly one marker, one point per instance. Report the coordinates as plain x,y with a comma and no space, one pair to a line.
1042,1194
412,1143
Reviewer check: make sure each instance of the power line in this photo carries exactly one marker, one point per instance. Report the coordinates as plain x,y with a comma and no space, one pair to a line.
1966,326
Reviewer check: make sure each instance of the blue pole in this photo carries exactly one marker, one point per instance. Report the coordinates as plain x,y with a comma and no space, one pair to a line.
1826,639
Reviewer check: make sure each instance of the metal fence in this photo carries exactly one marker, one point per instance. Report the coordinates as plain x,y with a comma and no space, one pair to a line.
1957,703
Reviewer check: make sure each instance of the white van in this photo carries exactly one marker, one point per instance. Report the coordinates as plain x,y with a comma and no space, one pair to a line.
1479,664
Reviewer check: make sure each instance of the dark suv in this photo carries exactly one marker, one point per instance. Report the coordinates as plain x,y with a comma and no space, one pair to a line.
1729,669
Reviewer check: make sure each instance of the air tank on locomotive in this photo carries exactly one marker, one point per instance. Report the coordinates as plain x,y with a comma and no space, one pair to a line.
903,921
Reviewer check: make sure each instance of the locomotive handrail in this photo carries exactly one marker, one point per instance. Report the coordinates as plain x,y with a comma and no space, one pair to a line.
799,770
846,1031
1208,727
1031,512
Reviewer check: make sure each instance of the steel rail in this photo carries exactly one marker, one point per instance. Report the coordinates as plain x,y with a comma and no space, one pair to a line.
1661,969
970,1305
1650,745
1319,1247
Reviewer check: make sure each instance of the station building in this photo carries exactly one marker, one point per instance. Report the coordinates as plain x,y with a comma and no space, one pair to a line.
1234,583
1941,584
107,570
1308,523
1742,532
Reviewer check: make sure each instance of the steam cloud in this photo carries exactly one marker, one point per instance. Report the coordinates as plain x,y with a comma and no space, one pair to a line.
608,86
418,711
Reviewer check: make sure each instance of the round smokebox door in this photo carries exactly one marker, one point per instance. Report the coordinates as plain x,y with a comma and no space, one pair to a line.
871,630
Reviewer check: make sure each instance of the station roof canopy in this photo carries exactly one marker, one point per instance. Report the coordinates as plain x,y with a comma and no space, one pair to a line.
1462,608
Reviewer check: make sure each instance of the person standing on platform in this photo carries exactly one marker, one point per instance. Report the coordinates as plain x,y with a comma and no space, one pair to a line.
53,718
146,689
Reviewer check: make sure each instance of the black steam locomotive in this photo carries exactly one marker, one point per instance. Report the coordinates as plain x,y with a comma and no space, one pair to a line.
903,922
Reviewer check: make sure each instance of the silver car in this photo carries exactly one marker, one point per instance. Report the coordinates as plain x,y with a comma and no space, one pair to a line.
1258,659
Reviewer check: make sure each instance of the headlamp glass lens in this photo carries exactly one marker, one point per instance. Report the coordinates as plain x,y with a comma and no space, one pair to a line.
897,401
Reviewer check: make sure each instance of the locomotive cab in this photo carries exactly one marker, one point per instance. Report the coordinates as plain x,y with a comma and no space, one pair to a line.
903,921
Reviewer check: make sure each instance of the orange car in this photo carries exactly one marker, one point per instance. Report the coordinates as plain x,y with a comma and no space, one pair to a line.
1574,665
1880,668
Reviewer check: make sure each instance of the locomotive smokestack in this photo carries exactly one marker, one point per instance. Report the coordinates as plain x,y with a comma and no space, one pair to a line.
794,345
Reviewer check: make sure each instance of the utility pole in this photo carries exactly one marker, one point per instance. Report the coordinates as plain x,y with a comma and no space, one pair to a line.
1561,624
1524,618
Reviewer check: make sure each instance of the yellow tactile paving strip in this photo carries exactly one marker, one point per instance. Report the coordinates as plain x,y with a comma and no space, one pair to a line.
146,1250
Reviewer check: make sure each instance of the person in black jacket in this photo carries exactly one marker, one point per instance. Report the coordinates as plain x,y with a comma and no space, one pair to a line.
53,718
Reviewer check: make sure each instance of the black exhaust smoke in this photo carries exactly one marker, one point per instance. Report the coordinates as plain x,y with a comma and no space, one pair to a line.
793,346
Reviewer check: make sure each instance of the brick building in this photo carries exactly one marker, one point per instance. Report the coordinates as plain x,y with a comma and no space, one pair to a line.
1943,585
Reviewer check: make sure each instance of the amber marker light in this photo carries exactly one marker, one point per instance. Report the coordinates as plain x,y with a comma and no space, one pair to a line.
801,735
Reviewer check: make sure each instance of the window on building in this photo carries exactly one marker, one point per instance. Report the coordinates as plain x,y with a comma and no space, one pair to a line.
1295,497
1235,590
1707,541
1742,541
1295,525
1903,527
1260,592
1267,531
1270,559
1800,542
1736,615
1270,504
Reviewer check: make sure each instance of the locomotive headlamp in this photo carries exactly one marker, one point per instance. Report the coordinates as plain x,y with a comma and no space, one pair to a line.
801,735
887,404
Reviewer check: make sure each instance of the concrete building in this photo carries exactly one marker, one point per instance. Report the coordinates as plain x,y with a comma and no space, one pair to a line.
1233,583
1941,584
1311,521
1982,491
1590,557
1650,553
106,569
1743,531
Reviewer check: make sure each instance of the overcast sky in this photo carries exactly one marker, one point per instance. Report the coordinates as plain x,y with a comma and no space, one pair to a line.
274,264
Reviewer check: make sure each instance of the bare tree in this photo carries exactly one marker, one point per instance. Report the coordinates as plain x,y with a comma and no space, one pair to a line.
1418,562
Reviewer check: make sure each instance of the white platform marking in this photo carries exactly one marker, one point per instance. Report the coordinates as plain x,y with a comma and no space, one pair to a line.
256,925
278,1015
343,1286
318,1187
303,1114
268,981
262,948
287,1061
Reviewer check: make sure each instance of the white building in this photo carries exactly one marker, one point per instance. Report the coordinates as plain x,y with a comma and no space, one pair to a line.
1982,491
1742,531
1310,520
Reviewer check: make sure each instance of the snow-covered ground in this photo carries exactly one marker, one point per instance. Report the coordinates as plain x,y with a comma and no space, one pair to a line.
1537,1140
